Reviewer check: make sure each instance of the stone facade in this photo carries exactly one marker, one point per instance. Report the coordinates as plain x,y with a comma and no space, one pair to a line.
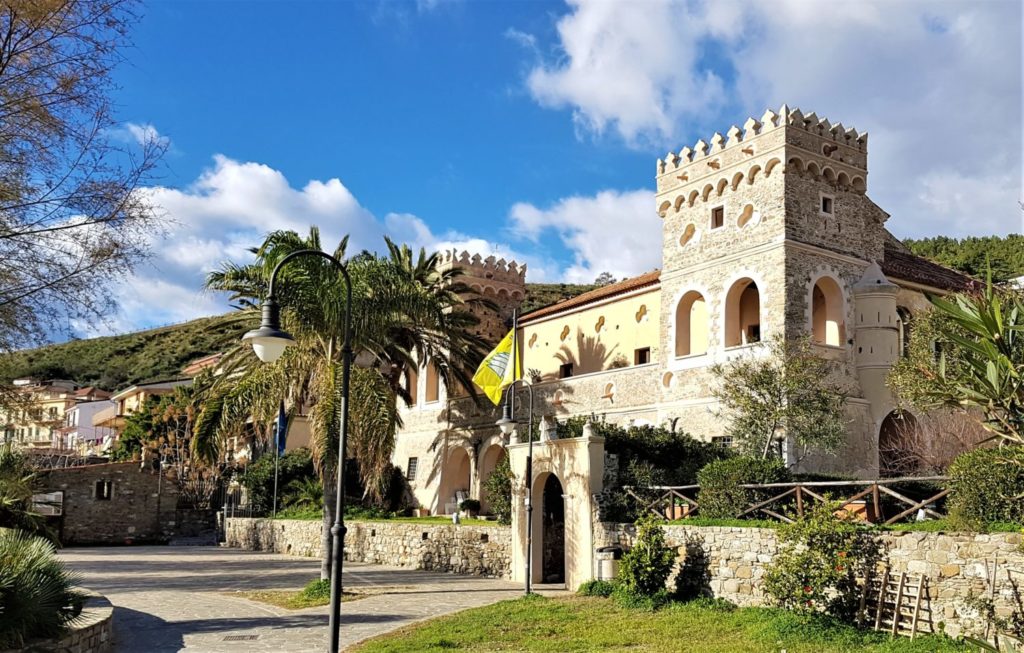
953,564
462,549
118,503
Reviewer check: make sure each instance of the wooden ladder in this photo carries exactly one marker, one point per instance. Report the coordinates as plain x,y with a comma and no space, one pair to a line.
896,603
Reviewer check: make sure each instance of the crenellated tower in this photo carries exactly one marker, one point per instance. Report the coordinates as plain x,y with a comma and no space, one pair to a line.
503,282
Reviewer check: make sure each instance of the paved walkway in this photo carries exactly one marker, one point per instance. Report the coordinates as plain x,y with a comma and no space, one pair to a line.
173,598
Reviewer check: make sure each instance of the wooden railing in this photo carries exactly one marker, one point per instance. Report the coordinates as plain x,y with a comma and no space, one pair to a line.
682,501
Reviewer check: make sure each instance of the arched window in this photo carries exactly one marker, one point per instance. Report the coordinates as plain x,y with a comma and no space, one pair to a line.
903,325
827,326
691,325
742,314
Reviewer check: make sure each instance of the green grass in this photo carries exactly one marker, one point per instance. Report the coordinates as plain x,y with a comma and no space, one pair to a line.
596,624
317,592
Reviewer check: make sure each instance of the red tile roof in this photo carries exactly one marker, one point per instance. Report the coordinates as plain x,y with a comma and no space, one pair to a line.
909,267
604,292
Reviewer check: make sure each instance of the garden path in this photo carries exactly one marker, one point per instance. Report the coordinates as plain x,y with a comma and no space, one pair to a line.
178,598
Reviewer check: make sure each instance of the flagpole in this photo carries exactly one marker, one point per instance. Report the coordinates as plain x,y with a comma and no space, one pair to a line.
515,345
277,455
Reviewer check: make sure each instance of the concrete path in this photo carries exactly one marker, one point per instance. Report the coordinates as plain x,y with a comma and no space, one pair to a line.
174,598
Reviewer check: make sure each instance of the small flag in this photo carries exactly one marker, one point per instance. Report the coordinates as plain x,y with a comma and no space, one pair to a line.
495,372
281,433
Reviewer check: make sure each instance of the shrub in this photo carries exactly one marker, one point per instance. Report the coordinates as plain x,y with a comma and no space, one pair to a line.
472,506
258,479
820,559
316,590
36,595
17,484
602,588
634,601
498,491
987,486
720,494
645,568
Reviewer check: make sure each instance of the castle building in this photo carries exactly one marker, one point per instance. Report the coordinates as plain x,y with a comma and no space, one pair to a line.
766,231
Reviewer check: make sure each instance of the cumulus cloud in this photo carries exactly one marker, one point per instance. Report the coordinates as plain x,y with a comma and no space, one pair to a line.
936,84
611,231
139,133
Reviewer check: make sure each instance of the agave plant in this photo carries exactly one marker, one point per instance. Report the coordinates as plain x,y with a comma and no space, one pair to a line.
304,493
37,598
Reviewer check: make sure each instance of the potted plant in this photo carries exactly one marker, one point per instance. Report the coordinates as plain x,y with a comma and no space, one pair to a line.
470,507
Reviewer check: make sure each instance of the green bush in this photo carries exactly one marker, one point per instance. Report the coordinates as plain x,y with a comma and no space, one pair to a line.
471,506
316,590
987,486
498,491
629,599
645,568
18,482
36,595
820,559
720,494
258,478
602,588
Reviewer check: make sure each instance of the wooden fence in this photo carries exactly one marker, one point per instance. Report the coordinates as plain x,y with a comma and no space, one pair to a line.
861,499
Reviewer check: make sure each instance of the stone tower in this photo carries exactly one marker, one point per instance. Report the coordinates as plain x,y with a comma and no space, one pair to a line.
765,232
498,280
877,338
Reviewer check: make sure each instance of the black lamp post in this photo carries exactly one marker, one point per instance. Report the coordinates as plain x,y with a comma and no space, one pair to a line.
507,424
269,342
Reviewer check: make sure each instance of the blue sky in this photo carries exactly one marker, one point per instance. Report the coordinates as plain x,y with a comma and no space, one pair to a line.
531,129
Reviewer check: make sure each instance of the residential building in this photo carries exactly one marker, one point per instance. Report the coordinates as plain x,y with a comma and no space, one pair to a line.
38,423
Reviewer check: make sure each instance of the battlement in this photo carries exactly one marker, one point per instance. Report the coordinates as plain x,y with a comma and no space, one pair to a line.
836,142
477,267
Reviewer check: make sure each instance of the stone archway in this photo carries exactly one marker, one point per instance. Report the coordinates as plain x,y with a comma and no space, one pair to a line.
552,540
456,480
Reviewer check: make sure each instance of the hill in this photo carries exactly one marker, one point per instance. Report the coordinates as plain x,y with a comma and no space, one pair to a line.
113,362
972,254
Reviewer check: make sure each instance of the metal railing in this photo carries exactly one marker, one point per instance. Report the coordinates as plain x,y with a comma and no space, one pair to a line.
866,502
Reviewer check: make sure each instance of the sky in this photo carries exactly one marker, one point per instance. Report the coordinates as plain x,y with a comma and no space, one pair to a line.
530,130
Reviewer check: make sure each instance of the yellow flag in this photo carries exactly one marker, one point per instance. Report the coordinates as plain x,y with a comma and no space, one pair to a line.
495,373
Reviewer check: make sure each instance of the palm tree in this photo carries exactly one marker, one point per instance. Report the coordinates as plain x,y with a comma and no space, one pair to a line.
405,311
17,485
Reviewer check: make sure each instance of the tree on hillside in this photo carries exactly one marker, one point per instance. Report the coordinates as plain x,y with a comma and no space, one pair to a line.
406,311
975,255
604,279
785,394
72,217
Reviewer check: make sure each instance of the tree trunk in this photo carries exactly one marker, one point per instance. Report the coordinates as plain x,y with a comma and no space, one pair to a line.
325,536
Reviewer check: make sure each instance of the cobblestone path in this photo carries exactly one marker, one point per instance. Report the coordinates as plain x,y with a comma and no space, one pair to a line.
173,598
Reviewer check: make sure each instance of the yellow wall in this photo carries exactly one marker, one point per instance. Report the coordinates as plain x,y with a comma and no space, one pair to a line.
575,337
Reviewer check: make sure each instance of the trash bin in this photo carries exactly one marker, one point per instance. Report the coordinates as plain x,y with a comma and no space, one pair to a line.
607,558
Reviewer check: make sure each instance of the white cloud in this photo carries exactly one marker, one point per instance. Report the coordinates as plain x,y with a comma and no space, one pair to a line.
140,133
612,231
938,86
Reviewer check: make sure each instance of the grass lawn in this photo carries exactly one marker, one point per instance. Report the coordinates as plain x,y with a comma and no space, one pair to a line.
292,599
592,624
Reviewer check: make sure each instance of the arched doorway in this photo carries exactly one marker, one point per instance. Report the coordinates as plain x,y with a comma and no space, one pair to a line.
899,445
456,481
552,540
492,456
742,314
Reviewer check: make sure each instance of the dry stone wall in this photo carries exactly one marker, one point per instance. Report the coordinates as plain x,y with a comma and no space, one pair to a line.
462,549
953,564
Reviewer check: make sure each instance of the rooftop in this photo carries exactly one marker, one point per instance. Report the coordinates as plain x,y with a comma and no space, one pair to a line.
604,292
908,267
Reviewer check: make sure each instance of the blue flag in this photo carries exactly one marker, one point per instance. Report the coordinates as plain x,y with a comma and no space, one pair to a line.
281,434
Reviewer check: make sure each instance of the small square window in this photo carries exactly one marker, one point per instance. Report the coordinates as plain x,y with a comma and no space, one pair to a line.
104,490
827,205
642,356
565,370
410,469
723,441
717,217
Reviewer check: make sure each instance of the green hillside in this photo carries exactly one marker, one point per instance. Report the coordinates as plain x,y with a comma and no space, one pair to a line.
974,253
114,362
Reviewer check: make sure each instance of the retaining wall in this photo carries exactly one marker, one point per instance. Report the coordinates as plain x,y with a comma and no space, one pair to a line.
476,550
954,565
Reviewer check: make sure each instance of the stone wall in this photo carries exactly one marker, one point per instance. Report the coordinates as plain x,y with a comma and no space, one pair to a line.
462,549
92,633
953,564
139,508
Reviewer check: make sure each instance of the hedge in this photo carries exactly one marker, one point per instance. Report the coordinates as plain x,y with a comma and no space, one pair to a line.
720,494
986,486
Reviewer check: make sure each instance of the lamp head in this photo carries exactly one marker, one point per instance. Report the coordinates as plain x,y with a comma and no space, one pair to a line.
269,341
507,423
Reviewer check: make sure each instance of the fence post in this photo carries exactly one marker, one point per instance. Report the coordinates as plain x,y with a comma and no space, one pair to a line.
874,498
799,502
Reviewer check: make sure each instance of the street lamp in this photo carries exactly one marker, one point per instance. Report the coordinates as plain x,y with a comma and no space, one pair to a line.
269,342
507,424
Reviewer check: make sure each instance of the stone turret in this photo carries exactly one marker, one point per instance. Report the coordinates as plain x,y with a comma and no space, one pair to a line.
876,340
502,282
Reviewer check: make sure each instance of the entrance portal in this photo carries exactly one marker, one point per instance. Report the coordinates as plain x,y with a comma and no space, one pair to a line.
553,540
